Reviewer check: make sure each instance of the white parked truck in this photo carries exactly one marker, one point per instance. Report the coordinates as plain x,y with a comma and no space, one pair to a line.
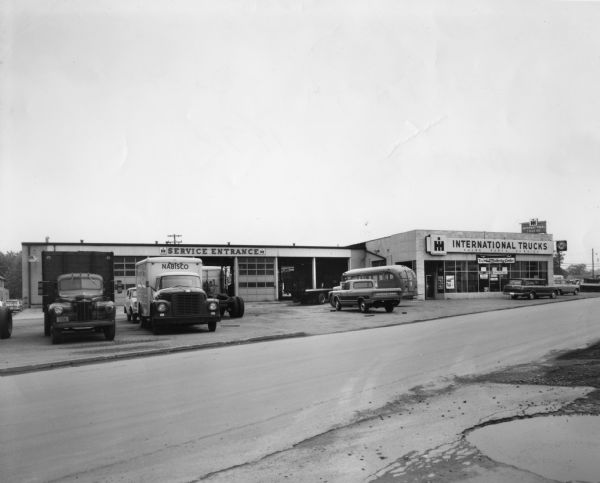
169,293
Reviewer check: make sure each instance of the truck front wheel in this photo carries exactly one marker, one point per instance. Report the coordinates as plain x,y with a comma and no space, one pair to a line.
109,332
57,336
389,308
531,295
212,326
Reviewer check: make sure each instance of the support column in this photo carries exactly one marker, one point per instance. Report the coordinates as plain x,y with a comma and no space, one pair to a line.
314,272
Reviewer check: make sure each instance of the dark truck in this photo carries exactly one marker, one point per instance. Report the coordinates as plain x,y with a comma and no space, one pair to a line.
364,294
77,293
530,288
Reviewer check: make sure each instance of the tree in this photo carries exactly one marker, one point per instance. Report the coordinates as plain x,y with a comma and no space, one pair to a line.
557,259
578,269
10,269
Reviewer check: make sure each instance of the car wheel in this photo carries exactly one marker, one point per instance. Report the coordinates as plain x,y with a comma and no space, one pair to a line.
322,298
338,304
109,332
531,295
5,323
363,307
552,295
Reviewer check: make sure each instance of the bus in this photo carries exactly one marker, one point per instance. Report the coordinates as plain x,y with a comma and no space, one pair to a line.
388,276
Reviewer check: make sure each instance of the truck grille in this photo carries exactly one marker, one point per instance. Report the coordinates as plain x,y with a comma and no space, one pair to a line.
83,309
186,303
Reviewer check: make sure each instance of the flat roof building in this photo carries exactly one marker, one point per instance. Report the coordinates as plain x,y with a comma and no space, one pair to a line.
448,264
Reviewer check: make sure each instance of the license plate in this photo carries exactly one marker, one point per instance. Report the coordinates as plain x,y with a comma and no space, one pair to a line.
62,318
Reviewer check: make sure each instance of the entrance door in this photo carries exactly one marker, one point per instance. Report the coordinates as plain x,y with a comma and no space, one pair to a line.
434,274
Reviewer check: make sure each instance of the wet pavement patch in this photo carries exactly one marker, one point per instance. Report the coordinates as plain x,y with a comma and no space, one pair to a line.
563,448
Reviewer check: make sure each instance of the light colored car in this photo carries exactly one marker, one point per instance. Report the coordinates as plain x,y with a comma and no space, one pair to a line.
14,305
565,286
130,307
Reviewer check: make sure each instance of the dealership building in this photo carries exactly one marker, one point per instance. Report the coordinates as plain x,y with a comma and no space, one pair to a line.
448,264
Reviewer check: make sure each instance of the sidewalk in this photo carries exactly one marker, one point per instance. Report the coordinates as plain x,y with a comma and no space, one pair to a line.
28,350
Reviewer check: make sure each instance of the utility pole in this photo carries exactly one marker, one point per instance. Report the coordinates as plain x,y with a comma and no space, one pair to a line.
175,241
593,274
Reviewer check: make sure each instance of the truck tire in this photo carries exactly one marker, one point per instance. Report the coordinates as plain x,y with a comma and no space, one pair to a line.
575,292
5,323
241,307
531,295
322,298
156,326
553,295
363,306
389,308
236,309
46,325
110,332
212,326
57,336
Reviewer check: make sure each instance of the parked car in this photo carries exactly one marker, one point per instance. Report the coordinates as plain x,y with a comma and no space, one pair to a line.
530,288
14,305
565,286
130,307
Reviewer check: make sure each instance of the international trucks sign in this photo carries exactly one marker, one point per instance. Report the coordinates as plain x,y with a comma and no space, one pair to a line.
440,245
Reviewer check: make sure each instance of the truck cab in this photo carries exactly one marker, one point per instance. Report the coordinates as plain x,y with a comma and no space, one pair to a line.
80,305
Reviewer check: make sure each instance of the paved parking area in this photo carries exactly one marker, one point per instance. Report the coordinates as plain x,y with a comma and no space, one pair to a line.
29,350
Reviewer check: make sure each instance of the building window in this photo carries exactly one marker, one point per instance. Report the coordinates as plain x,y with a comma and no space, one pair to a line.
125,266
256,266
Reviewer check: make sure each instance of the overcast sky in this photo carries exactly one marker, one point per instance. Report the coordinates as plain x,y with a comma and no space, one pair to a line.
308,122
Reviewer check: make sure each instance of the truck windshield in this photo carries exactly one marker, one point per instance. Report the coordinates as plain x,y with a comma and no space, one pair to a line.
179,281
515,282
87,283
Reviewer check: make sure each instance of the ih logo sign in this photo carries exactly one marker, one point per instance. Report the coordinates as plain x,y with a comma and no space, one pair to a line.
436,244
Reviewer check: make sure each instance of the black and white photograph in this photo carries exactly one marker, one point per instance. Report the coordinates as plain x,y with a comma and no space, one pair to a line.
309,241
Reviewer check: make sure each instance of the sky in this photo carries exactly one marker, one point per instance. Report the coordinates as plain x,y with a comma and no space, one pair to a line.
319,123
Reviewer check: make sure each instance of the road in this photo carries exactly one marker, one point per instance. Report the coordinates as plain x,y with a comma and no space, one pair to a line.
181,417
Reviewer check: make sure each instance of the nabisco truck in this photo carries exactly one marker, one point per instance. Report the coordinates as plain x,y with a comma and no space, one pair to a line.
169,293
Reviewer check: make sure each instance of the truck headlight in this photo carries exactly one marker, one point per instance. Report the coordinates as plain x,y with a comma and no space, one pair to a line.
58,309
109,308
212,306
161,307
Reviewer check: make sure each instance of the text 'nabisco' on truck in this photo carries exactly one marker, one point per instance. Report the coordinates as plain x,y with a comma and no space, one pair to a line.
169,293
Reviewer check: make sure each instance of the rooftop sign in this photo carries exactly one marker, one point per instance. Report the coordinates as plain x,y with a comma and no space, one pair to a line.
533,226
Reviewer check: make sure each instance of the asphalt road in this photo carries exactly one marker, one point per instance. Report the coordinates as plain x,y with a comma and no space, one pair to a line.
215,413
